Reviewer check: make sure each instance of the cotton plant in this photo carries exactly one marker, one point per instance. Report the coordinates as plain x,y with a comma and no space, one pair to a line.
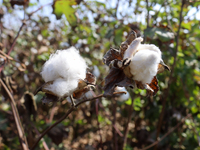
134,65
65,75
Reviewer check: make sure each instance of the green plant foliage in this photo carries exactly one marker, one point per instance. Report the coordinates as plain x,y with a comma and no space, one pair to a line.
65,7
93,27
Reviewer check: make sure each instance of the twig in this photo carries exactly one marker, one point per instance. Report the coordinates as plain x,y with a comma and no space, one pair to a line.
116,8
114,104
147,5
126,128
13,44
53,125
172,72
53,110
109,117
68,112
22,137
169,132
39,9
38,133
97,114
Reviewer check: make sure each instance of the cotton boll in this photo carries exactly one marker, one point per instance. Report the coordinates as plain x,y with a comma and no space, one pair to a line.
65,68
144,60
122,97
150,47
61,87
144,65
133,48
67,64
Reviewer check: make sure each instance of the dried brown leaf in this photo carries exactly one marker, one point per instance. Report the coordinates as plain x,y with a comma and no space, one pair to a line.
57,134
116,77
19,2
90,78
162,67
153,85
30,105
49,98
112,54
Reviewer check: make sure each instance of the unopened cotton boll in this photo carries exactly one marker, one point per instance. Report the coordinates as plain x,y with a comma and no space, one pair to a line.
122,97
144,60
64,69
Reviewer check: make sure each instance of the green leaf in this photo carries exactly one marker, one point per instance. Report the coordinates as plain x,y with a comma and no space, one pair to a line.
129,101
65,7
137,104
159,33
100,118
187,25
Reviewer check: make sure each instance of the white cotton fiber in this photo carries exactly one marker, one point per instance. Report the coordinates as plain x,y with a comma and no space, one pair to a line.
65,68
122,97
131,50
144,60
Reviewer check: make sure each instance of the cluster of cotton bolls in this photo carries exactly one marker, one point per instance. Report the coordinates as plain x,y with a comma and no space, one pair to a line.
64,70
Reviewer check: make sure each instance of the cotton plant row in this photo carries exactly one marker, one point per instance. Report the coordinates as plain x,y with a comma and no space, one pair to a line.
133,65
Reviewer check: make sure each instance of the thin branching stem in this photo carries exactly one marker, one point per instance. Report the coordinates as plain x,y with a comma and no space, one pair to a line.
67,114
127,124
168,133
21,134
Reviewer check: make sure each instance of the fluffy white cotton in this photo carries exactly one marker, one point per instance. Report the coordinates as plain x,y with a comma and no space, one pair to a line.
133,47
122,97
144,60
65,68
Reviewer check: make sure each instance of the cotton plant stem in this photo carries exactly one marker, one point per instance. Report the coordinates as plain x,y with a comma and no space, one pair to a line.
39,9
21,134
168,133
67,114
49,128
38,133
20,29
109,117
127,124
171,75
115,139
97,114
13,44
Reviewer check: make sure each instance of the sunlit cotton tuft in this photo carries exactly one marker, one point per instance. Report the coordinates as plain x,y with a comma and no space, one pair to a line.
65,68
144,60
122,97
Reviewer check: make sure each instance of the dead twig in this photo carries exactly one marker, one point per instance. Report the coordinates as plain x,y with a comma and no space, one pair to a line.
169,132
98,124
126,128
21,134
39,9
67,114
115,139
14,42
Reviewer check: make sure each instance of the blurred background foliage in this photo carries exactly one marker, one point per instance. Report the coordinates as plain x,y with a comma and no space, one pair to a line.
93,27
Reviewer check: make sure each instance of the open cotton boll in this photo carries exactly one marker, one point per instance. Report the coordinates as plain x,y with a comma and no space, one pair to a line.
144,65
144,60
67,64
122,97
65,68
